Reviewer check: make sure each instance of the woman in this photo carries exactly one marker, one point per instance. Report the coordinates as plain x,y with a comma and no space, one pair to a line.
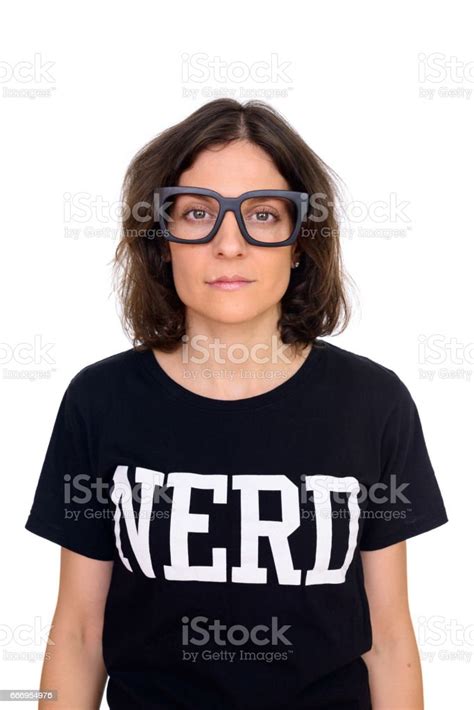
233,494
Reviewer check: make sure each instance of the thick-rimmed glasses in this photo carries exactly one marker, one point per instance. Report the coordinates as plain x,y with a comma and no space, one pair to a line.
193,215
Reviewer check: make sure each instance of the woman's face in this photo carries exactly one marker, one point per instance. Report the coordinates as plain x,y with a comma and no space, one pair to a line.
231,170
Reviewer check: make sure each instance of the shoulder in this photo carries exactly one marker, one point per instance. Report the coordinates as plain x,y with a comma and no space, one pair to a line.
95,384
100,371
362,376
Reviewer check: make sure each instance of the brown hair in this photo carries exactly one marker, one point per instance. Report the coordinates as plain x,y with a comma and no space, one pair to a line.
315,302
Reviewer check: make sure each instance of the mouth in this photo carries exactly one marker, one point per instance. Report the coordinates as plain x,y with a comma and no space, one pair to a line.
230,283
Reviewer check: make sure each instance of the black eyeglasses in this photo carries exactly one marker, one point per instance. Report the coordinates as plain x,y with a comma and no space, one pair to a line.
193,215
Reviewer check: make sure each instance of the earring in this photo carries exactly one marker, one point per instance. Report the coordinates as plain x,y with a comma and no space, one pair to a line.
295,265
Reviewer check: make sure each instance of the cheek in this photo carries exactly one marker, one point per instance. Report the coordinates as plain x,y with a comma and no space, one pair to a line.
275,273
188,270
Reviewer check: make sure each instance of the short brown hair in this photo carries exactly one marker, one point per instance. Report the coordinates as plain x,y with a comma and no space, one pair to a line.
315,302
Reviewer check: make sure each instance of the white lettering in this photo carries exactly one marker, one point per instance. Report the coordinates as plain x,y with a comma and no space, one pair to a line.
252,526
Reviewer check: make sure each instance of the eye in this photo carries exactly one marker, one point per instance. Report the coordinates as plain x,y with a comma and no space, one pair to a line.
196,214
195,211
264,215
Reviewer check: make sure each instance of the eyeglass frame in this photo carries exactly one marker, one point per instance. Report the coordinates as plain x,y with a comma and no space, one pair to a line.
232,204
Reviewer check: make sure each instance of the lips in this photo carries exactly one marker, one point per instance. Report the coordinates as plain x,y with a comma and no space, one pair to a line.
235,278
230,283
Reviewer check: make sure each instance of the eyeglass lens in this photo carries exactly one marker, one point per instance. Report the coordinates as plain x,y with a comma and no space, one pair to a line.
267,218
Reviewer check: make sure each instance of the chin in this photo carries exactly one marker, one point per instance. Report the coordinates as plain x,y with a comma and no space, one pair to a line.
230,314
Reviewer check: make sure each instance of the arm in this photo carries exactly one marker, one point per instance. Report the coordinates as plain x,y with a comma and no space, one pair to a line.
73,664
393,661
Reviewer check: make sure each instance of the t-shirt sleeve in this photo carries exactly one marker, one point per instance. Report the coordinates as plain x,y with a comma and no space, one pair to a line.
71,505
408,501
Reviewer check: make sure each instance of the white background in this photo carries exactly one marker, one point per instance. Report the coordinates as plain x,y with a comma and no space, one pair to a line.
366,86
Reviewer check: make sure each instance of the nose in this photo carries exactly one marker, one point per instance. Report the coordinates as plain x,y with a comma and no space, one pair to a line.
229,238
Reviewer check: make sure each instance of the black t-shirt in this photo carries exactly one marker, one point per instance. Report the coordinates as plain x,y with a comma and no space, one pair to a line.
236,526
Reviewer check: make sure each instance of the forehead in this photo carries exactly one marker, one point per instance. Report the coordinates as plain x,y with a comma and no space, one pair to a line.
234,168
